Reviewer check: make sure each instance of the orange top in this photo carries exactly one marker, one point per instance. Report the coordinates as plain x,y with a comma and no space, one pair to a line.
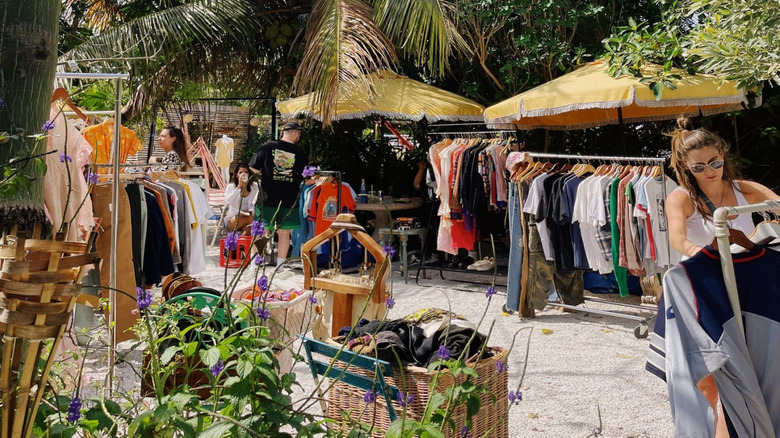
102,136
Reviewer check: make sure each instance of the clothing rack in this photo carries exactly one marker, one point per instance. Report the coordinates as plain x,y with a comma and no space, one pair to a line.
494,131
720,220
116,77
641,330
597,157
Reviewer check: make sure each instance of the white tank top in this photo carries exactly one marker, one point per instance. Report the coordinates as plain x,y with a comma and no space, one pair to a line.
701,230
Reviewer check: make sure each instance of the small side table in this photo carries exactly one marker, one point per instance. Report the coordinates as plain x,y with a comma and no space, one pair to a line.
386,236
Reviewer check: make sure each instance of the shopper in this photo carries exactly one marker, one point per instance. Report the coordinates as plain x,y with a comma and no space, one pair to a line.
174,143
280,164
708,180
240,197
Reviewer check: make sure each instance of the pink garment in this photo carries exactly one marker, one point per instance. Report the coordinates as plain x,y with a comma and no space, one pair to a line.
63,200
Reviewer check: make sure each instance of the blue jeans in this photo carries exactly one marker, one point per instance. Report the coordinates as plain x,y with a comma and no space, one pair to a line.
514,273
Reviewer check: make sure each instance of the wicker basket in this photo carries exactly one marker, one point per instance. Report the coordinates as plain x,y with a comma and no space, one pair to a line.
287,319
346,401
37,294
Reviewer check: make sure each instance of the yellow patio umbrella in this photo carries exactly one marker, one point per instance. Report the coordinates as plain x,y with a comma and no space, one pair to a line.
395,97
589,97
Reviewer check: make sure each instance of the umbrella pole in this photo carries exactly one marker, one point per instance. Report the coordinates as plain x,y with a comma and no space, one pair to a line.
622,130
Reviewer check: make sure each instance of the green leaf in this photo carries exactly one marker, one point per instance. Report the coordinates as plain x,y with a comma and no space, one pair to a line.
24,182
474,404
432,431
244,368
40,165
8,190
190,348
216,430
209,357
169,353
658,90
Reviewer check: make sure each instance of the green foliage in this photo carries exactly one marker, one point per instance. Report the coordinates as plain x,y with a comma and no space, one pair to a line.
632,47
737,38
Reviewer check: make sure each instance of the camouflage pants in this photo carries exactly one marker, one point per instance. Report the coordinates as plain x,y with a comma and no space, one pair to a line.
542,272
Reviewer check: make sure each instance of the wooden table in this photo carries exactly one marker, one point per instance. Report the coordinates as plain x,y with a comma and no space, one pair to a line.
382,212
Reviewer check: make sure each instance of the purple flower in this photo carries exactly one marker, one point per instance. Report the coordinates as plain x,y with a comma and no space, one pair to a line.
444,352
217,368
65,157
369,397
231,241
312,299
404,399
390,302
262,283
92,177
144,298
258,228
464,432
501,367
259,260
309,171
48,126
389,250
263,313
515,397
74,410
490,291
2,103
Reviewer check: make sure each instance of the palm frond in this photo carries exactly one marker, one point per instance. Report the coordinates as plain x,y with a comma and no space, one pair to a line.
342,45
425,29
205,39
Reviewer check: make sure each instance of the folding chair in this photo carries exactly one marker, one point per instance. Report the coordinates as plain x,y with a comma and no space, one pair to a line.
216,197
332,369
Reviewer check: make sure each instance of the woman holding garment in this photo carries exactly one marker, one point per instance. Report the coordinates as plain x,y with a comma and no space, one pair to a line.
708,180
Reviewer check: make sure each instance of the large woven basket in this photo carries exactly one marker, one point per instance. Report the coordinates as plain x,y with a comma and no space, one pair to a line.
37,294
346,401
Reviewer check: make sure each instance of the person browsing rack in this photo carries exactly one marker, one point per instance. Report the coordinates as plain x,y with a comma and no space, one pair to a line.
174,143
280,164
240,197
708,180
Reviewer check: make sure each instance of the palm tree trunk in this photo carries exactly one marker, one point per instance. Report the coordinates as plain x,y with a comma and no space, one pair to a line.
28,54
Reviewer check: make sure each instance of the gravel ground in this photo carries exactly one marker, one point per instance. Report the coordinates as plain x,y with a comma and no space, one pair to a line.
585,372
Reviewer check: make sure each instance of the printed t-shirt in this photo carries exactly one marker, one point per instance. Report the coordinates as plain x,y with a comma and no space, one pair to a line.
324,208
281,164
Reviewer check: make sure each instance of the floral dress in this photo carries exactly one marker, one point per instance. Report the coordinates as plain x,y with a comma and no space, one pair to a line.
172,158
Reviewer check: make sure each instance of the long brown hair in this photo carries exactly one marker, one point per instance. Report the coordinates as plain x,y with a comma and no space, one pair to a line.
179,144
686,138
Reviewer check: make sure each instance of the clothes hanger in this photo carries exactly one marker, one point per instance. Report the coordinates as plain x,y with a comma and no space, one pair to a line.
62,94
765,233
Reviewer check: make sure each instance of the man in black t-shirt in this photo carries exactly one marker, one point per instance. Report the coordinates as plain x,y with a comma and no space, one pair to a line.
280,164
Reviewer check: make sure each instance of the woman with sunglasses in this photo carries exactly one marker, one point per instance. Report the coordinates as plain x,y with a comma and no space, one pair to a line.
708,180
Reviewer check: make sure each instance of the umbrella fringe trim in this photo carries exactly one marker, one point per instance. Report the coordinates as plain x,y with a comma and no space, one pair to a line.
389,115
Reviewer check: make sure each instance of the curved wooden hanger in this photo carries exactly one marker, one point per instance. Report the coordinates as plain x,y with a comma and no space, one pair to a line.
62,94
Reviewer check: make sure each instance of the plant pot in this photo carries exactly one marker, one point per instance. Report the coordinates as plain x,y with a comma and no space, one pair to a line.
38,290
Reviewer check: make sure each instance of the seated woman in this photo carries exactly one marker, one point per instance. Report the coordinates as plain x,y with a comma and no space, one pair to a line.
240,197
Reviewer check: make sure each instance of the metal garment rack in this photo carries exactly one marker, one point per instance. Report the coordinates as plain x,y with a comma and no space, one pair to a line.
117,78
641,330
720,220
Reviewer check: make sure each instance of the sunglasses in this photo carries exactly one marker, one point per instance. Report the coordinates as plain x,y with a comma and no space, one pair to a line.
699,168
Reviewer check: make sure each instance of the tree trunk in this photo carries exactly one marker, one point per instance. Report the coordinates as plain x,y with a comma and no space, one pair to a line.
28,57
